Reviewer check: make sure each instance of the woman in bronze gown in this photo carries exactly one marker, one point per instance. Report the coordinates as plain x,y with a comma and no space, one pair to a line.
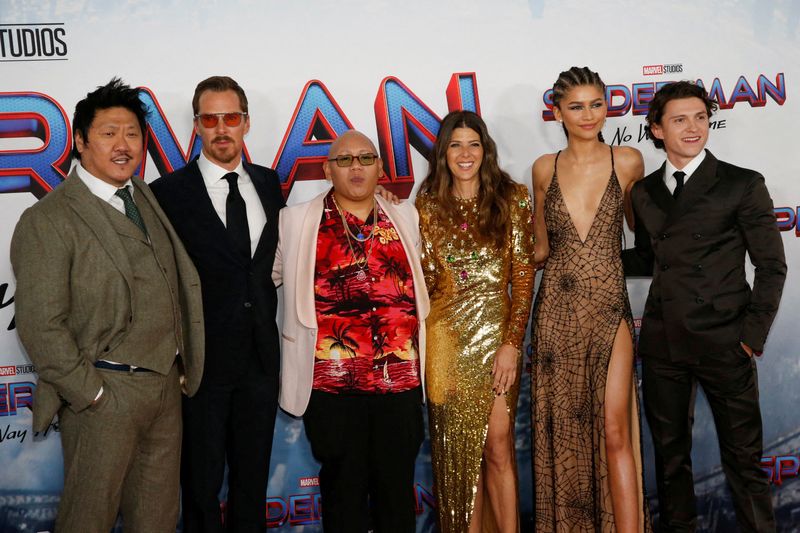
477,239
587,454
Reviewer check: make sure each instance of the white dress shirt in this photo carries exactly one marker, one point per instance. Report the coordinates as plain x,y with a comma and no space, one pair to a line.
101,189
218,188
691,166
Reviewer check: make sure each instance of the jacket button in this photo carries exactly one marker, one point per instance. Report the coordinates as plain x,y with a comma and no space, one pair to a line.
699,300
107,348
697,236
664,236
248,305
698,268
664,268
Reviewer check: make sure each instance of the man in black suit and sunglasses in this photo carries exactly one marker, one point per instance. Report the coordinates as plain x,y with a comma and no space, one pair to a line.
225,211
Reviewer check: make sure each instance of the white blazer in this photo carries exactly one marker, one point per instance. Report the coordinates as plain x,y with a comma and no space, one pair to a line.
294,268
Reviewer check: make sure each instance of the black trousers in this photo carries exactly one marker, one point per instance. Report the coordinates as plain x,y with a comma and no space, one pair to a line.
367,445
229,421
730,382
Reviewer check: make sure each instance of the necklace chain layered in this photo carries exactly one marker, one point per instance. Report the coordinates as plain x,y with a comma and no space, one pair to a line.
363,263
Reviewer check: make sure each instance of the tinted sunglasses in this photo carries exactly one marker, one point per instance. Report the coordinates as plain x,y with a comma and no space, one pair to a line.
210,120
347,160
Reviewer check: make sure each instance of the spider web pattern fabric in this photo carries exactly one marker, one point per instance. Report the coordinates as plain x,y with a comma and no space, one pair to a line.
579,306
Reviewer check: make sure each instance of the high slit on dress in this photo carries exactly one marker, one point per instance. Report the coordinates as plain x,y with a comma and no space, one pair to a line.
471,316
581,302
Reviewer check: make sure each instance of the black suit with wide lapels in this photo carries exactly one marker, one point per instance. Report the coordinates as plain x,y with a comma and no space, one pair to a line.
233,415
700,307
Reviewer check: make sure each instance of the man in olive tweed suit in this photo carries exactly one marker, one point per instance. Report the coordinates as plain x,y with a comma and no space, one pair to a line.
108,308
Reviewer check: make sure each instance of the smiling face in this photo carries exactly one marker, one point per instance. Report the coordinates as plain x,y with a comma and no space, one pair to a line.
464,156
683,128
583,111
222,144
113,147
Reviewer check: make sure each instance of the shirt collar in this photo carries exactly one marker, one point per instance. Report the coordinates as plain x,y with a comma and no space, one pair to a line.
331,212
689,168
212,172
103,190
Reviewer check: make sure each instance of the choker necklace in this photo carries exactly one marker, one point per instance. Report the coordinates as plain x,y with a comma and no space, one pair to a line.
363,263
465,199
469,198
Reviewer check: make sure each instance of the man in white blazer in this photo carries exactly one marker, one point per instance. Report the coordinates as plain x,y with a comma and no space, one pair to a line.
353,340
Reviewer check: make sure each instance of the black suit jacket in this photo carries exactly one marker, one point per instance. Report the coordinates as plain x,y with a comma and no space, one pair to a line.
694,248
239,298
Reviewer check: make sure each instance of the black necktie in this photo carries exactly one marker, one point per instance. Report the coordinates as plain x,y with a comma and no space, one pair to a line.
679,175
131,211
236,216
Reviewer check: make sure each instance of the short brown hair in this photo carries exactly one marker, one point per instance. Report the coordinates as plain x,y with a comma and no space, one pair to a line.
675,91
218,84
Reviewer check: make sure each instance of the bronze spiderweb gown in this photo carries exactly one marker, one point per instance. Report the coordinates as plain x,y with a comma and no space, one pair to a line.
471,316
581,301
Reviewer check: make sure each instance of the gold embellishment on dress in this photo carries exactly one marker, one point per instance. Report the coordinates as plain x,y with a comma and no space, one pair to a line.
471,316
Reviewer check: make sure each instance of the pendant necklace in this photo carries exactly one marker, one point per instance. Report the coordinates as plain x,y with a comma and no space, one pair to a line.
361,264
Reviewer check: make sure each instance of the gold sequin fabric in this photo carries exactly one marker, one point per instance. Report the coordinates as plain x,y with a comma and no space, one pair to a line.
580,304
471,316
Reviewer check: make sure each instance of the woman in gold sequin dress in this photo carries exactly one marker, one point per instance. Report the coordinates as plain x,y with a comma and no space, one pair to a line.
587,454
477,240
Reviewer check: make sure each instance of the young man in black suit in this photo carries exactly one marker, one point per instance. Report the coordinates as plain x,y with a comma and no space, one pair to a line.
695,218
225,211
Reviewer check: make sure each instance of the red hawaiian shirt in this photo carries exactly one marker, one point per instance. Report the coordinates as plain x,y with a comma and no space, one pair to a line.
367,342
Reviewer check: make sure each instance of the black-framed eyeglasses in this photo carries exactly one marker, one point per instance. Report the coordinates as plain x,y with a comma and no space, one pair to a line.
347,160
210,120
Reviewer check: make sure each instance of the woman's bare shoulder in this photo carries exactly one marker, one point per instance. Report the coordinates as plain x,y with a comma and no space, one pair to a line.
627,156
543,169
545,160
628,163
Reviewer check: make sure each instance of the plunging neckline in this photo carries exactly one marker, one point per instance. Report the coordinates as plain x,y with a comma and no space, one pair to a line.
599,204
569,214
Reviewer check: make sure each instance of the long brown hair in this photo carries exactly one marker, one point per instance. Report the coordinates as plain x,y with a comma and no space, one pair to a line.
495,185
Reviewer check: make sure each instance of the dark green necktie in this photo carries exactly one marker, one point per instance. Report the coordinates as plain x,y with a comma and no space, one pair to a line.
131,210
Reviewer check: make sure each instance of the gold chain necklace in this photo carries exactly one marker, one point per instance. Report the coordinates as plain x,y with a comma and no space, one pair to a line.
360,237
361,264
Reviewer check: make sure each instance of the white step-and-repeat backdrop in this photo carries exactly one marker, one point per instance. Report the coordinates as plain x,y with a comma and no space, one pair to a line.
392,69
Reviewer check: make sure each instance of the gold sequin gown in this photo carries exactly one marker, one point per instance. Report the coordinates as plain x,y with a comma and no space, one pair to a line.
580,304
471,316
